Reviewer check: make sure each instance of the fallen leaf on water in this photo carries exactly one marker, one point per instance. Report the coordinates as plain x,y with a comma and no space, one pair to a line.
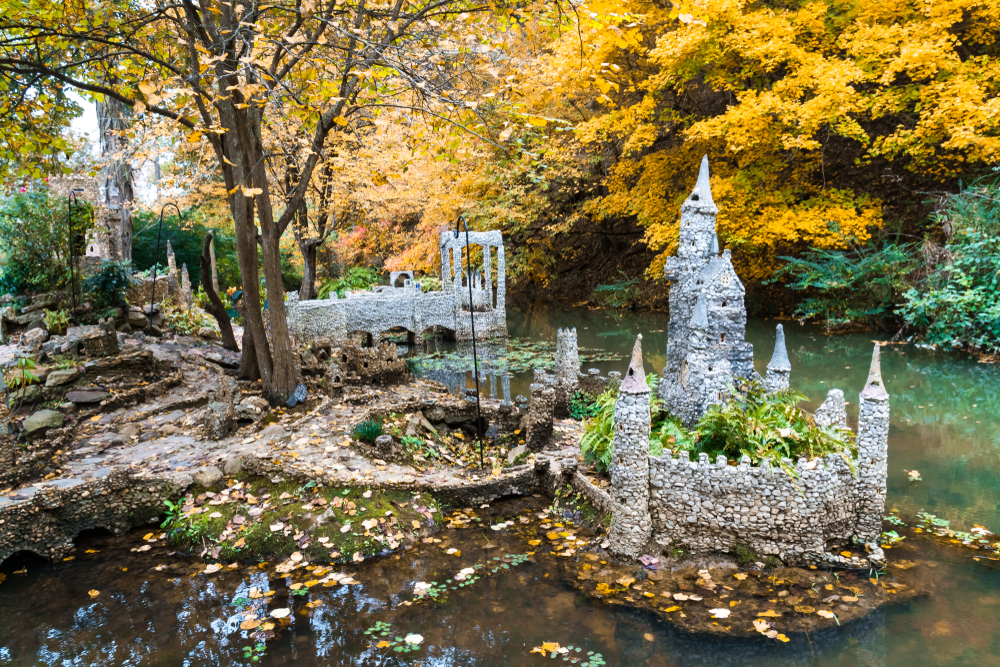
735,602
358,557
296,557
740,576
805,610
547,647
147,536
215,567
782,638
846,554
383,644
771,634
761,625
670,609
902,564
250,625
255,594
849,598
267,626
719,613
824,613
93,593
626,581
91,551
649,595
534,543
680,596
604,589
649,637
314,604
770,613
280,613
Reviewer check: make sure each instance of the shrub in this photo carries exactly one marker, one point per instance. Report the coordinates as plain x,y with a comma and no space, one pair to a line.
582,406
354,278
368,430
860,286
958,303
186,321
753,423
34,239
57,321
107,287
186,237
618,295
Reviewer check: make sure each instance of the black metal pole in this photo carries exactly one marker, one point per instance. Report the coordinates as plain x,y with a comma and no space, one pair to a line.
71,199
472,322
156,257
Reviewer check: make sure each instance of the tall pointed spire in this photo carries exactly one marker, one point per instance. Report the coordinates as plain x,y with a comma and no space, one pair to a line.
635,376
702,193
874,388
779,360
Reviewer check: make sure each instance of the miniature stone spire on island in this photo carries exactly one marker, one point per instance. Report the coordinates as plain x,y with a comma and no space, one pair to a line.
704,352
779,368
631,525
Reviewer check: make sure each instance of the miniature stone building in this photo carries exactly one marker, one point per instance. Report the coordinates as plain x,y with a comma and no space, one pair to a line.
712,507
389,307
706,347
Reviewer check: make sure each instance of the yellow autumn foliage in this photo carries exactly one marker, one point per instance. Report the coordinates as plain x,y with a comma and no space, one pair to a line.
817,115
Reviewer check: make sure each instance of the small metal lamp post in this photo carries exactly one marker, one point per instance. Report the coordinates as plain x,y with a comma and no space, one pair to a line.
472,321
156,256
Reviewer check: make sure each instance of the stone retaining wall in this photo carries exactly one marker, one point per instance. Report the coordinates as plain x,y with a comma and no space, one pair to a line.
48,522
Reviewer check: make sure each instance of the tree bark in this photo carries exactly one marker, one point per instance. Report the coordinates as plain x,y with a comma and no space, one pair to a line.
119,195
308,289
215,305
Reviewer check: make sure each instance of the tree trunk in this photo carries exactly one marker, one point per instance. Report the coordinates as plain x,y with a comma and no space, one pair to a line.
308,289
215,305
249,370
118,192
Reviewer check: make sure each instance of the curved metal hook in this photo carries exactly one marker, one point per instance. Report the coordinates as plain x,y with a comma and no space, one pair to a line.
156,256
472,322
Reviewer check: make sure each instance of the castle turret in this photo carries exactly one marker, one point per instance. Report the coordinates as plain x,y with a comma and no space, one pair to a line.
779,368
873,453
631,524
698,218
833,411
566,370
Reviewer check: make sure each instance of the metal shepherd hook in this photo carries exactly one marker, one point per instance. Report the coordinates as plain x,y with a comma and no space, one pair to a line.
72,199
472,321
156,257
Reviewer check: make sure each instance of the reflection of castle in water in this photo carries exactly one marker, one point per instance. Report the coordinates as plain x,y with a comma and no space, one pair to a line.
456,367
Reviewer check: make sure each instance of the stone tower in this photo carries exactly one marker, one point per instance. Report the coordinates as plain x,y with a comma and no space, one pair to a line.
697,273
779,368
873,453
631,524
833,411
566,369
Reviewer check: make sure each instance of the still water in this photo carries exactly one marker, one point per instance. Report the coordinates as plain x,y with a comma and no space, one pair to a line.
944,424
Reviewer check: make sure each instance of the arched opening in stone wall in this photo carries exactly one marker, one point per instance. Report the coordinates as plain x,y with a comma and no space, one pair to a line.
400,336
20,560
360,338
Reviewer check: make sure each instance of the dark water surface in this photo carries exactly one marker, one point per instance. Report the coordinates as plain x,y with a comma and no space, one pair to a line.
945,416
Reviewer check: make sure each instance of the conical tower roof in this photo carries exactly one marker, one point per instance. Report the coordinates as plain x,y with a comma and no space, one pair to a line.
874,387
702,194
779,360
635,376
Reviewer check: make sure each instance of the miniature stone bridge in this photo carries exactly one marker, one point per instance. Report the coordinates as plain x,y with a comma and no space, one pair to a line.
406,307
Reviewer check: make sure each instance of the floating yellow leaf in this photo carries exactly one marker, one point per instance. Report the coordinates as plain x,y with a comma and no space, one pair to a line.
604,589
547,647
782,638
846,554
552,536
673,608
314,604
824,613
93,593
250,625
770,613
625,581
147,536
383,644
761,626
802,609
734,603
649,595
649,637
740,576
534,543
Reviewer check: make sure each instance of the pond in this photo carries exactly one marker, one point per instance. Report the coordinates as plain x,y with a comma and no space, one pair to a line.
945,415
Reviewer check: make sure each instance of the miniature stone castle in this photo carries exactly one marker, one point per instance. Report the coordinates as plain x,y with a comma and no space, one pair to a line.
390,307
706,349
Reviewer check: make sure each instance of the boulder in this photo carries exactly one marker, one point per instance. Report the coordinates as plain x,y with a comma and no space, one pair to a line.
41,420
137,319
514,453
33,338
87,396
208,332
207,476
233,466
59,378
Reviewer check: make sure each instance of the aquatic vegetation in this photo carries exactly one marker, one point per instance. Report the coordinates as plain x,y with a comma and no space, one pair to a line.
765,427
255,652
518,356
554,650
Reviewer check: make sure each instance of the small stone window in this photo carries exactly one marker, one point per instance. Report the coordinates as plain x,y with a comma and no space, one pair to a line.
709,369
694,198
723,304
722,337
